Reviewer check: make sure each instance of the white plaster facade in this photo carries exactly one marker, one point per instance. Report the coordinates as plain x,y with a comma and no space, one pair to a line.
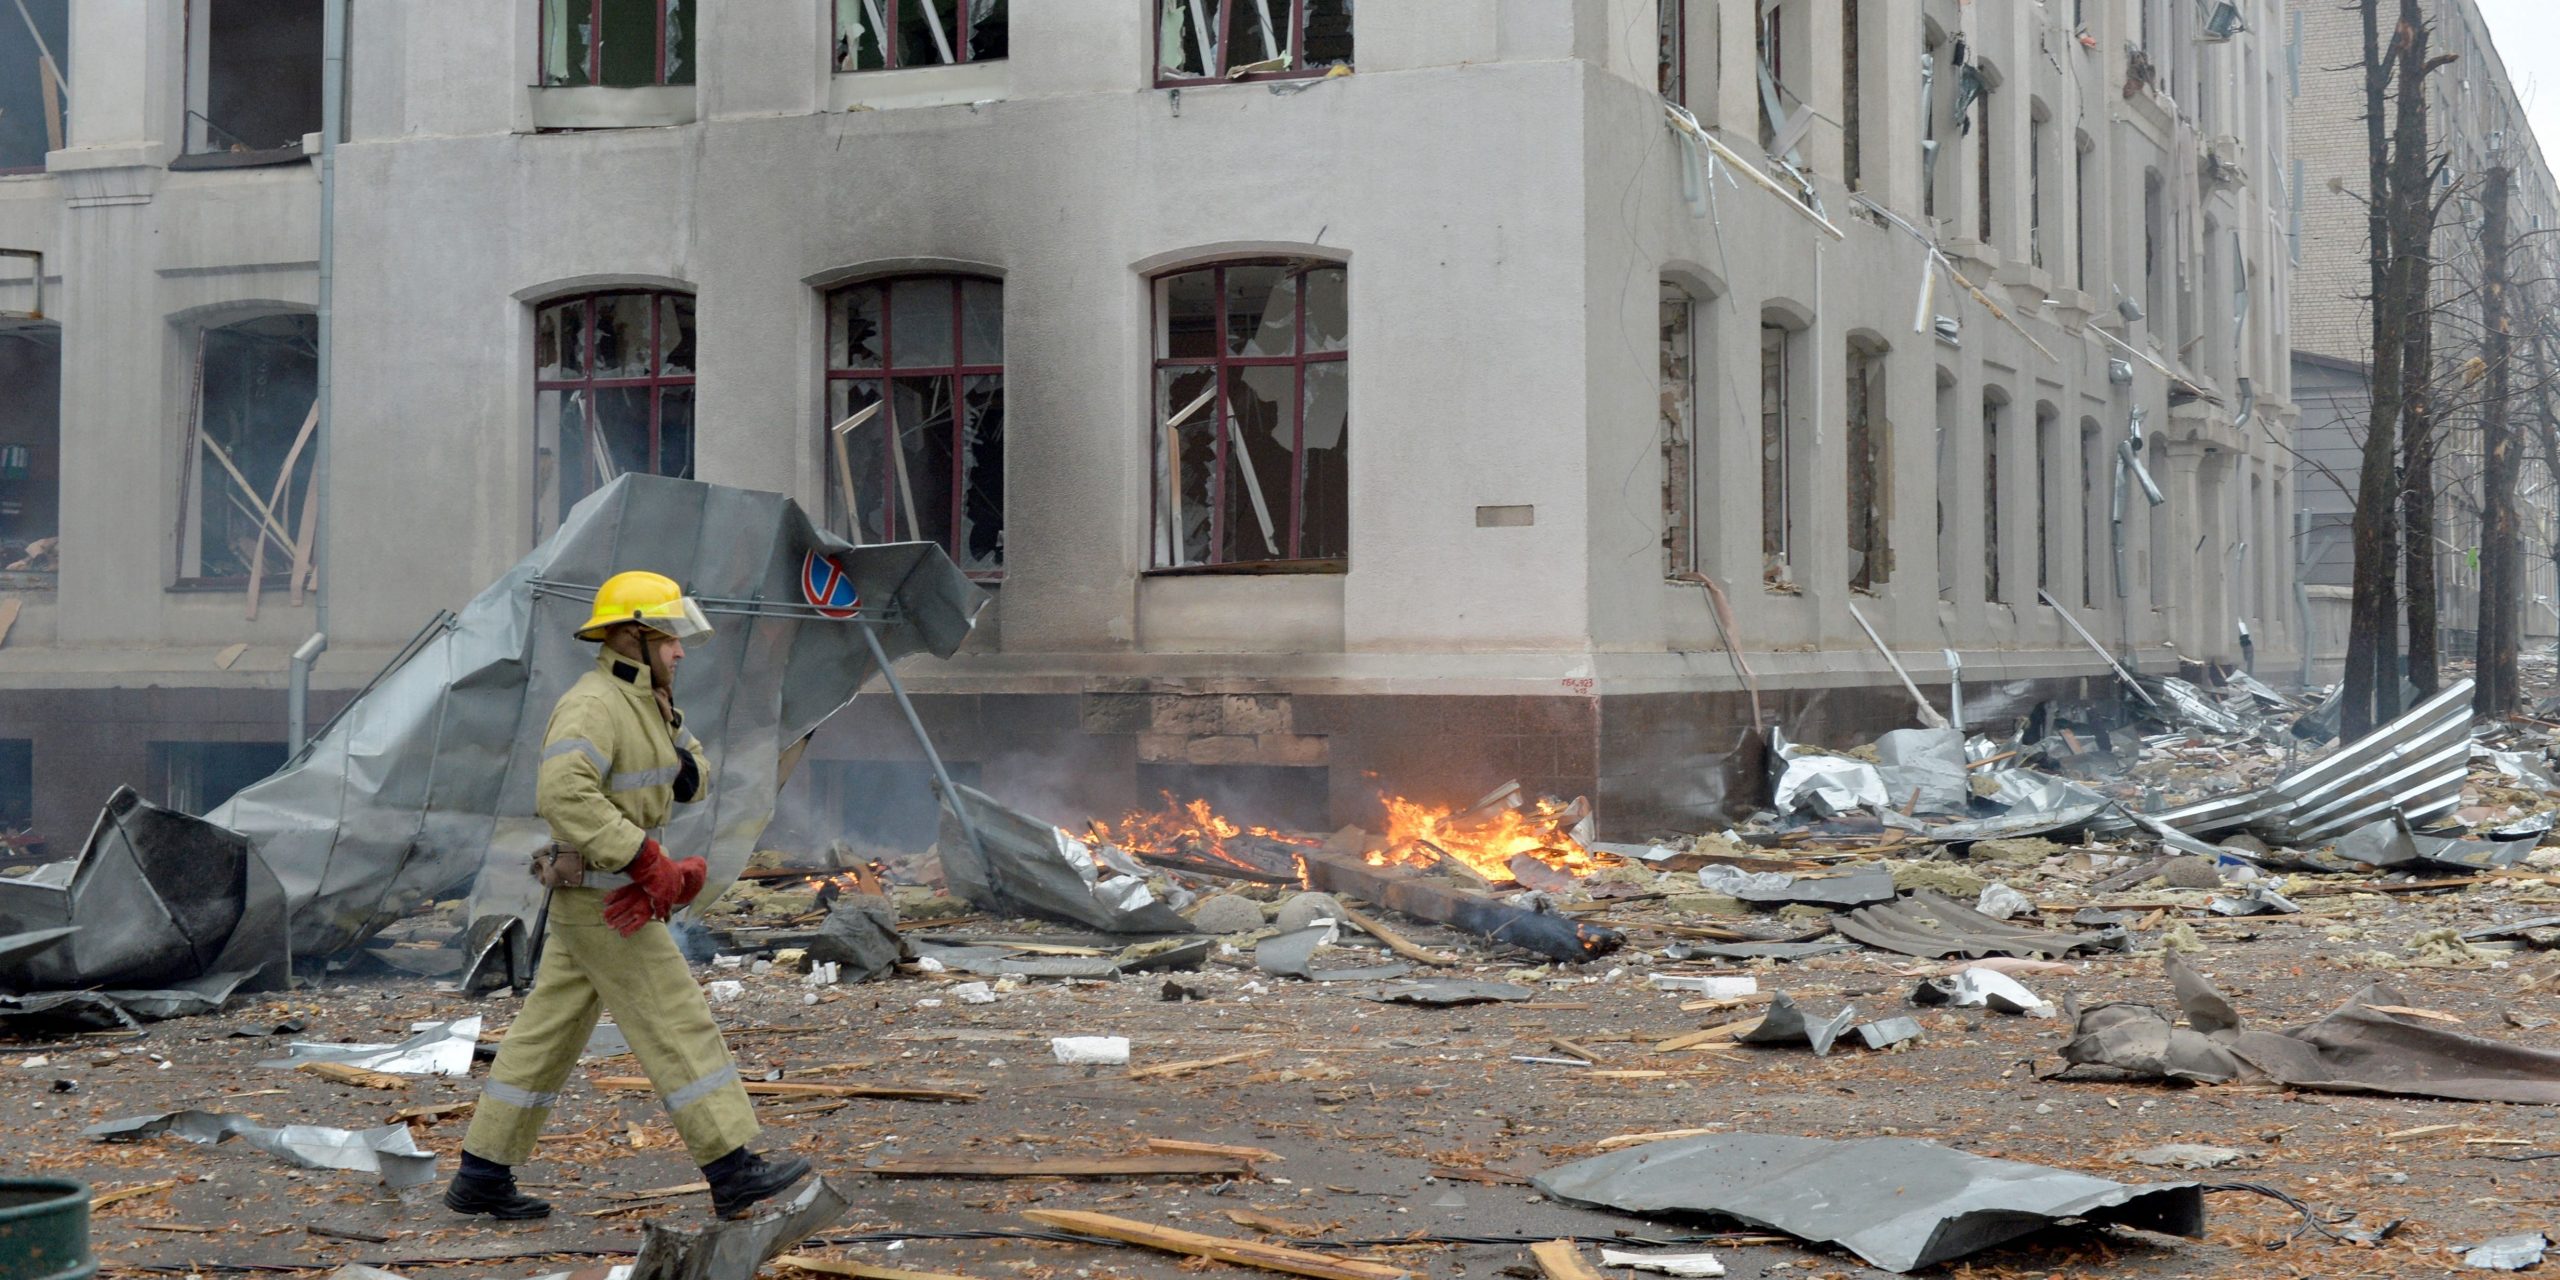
1500,181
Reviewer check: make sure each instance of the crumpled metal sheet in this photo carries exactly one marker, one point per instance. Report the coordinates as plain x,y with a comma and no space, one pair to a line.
423,786
2019,824
105,1010
2355,1049
2414,765
1930,925
1929,764
2195,708
1787,1023
441,1049
735,1250
1824,785
2261,899
1867,884
2520,1252
1755,950
2388,844
1898,1203
2025,791
1979,988
1023,864
158,898
390,1151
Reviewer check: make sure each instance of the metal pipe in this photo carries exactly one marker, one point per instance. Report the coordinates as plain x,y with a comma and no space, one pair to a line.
333,110
1955,690
924,742
2099,649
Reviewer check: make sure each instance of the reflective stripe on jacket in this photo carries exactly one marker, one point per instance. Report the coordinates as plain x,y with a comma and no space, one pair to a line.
611,769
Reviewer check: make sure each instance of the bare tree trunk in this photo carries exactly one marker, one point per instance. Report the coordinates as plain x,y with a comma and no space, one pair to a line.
2501,535
2372,684
2413,249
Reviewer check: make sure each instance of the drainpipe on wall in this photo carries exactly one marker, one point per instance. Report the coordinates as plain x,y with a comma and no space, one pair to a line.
333,110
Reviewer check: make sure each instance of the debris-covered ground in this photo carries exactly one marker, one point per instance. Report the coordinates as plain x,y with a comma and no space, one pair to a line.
1261,1107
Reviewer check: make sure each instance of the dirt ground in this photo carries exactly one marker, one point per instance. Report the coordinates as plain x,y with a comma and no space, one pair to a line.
1393,1122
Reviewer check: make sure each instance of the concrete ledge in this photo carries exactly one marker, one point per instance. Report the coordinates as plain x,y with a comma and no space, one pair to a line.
919,86
599,107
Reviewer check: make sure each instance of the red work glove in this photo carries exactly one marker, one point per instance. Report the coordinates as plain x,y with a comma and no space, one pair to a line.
627,909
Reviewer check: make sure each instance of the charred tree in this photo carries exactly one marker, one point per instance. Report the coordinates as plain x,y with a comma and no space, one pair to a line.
2372,681
2413,227
2501,532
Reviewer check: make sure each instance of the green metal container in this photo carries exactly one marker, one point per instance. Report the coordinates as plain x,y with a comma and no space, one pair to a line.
44,1230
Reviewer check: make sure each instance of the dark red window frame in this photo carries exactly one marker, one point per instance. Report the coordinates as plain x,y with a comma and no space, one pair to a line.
595,45
1218,365
1298,68
957,373
960,37
657,382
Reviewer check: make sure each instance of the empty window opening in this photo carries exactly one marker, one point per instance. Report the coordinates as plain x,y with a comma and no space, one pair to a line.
1870,450
880,35
30,456
618,44
1679,414
1218,40
245,499
1852,99
1992,408
2039,133
613,392
1982,192
1252,416
2048,426
2158,529
2084,207
1947,473
198,777
1933,67
1772,49
253,82
2093,510
1671,49
35,48
915,415
17,787
2155,238
1777,447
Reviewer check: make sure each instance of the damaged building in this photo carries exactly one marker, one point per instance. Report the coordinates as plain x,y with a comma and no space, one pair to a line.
1466,393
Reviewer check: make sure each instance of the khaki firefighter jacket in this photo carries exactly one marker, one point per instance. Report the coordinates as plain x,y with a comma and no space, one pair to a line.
613,769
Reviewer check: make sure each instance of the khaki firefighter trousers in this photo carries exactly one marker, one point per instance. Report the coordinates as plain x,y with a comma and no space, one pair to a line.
643,981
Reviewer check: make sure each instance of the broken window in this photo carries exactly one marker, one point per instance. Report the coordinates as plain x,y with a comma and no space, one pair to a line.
1947,500
881,35
2084,207
1777,445
1772,49
1982,193
2048,424
30,455
2039,129
1870,468
35,42
245,498
1992,407
197,777
253,82
1852,105
1931,63
915,414
2155,236
619,44
1671,49
2093,509
1252,416
1219,40
1679,411
613,392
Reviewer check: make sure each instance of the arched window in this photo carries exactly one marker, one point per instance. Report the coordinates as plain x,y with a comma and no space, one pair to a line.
915,415
1252,416
613,392
245,474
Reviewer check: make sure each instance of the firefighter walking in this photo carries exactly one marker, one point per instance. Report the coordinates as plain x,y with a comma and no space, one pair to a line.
615,761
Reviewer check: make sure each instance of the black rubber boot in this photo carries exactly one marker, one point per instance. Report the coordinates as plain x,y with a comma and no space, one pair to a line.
742,1177
488,1188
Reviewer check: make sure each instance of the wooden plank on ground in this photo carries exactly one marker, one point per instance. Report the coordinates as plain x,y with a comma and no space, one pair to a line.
1394,941
105,1198
1155,1166
1181,1147
1711,1035
341,1073
1616,1141
858,1270
1240,1253
1562,1260
1168,1070
790,1089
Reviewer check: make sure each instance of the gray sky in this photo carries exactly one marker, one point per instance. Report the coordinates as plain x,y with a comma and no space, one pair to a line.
2527,33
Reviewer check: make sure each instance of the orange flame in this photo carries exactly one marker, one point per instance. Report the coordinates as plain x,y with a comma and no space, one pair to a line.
1191,829
1486,841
